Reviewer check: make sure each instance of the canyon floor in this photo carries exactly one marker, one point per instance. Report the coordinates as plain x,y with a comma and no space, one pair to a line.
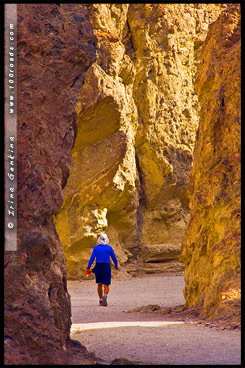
114,332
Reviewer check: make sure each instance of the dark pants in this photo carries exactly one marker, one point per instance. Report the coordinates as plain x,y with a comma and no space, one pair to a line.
103,273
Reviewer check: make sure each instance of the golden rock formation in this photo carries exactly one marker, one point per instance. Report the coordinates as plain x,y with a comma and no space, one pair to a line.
137,117
211,245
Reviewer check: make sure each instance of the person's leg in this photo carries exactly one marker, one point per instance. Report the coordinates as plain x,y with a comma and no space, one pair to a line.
106,289
99,289
106,282
104,299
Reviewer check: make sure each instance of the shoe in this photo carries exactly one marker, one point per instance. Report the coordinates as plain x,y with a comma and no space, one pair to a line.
100,302
104,300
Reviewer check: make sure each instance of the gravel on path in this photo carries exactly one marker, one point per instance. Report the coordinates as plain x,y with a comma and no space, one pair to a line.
146,338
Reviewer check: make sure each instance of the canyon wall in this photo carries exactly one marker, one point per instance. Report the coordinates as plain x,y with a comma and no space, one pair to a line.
56,46
137,117
212,242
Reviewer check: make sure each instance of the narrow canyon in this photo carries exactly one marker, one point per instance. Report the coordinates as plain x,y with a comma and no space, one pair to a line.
129,123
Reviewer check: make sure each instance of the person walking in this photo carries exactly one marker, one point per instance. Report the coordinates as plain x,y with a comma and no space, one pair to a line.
102,252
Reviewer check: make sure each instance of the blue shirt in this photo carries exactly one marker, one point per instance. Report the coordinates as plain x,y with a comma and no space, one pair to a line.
102,254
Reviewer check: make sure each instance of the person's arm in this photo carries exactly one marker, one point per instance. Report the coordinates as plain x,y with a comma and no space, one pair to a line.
91,259
114,258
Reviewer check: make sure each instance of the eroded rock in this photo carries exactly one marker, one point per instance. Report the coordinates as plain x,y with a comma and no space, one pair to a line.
52,61
212,243
140,89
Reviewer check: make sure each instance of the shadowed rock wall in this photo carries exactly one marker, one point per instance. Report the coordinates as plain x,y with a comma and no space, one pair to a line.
212,242
137,117
56,46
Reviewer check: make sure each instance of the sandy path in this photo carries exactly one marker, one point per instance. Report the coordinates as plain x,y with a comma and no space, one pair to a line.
159,341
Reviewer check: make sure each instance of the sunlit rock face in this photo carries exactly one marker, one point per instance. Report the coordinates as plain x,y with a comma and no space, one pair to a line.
137,117
211,245
52,60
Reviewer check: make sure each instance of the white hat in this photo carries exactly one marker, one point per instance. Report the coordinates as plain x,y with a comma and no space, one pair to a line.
103,239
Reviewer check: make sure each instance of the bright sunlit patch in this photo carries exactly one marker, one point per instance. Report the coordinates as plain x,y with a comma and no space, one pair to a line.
79,327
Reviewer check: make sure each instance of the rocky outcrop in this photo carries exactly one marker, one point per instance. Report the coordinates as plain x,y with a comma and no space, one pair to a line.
137,117
212,244
56,46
